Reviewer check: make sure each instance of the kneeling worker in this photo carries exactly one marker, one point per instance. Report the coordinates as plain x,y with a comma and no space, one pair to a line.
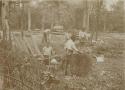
47,53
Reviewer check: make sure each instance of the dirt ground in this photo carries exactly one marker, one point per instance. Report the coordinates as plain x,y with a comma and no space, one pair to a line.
107,75
110,74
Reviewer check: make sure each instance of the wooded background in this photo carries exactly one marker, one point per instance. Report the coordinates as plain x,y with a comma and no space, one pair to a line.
91,14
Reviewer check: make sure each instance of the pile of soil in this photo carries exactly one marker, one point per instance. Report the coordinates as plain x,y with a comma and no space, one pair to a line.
81,64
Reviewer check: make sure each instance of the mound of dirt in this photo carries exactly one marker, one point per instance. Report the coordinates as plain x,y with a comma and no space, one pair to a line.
81,64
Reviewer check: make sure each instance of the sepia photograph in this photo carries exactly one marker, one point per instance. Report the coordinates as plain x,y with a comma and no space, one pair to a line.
62,44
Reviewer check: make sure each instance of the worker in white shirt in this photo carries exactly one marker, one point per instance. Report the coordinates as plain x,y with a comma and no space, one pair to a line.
70,47
88,36
82,34
82,37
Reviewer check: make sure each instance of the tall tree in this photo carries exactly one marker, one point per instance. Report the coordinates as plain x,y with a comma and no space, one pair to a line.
52,13
118,16
115,17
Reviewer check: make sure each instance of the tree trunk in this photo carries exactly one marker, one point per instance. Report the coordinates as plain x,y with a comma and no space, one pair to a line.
98,18
5,23
29,19
86,15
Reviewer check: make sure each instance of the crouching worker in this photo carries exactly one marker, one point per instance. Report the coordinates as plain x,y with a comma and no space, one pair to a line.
70,48
47,53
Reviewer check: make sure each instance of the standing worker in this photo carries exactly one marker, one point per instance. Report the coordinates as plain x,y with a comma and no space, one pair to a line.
82,37
46,35
82,34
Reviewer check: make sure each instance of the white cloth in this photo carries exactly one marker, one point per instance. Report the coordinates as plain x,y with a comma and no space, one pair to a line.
88,35
82,34
101,42
47,51
100,58
54,61
70,45
47,30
